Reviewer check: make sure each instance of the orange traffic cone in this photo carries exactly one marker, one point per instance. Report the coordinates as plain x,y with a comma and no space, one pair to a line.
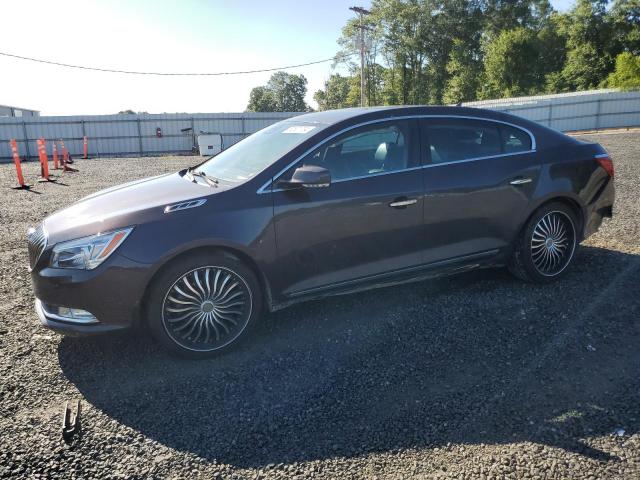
16,161
65,159
44,161
85,147
56,163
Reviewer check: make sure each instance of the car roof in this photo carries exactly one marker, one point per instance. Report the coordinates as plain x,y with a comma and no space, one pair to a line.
329,117
349,116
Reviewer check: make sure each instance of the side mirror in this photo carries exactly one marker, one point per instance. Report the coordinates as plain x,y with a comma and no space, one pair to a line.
308,176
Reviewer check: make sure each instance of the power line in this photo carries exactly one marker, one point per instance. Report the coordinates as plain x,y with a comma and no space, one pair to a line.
169,74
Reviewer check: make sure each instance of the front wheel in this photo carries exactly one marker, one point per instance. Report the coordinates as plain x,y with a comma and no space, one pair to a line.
546,245
203,304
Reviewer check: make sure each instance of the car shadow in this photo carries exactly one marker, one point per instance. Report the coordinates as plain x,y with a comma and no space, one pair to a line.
476,358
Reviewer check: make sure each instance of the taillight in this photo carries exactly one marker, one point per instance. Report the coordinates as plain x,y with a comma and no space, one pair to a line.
605,162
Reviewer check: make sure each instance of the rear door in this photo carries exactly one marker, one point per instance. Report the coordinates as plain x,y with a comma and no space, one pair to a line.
368,222
479,178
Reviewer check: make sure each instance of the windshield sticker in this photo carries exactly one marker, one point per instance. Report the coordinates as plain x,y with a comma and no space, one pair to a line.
299,129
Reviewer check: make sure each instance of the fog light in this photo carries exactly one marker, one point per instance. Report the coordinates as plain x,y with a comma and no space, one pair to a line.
75,313
68,314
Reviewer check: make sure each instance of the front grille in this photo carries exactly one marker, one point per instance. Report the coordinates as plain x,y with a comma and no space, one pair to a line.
37,240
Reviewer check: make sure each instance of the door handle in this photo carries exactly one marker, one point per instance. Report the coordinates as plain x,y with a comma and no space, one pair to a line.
520,181
403,202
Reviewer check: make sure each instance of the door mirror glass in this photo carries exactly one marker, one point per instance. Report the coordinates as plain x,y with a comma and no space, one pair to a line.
307,176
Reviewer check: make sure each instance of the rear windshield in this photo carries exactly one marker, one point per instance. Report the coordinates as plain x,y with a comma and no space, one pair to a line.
250,156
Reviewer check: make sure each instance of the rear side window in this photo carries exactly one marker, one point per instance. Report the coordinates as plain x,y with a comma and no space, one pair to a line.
514,139
461,139
456,140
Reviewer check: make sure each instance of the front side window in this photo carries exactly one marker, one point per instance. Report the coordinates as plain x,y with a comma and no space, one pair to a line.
364,151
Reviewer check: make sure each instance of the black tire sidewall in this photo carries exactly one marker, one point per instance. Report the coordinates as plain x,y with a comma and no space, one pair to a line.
172,272
525,244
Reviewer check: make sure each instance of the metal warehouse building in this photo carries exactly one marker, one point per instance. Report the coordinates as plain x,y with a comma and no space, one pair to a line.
7,111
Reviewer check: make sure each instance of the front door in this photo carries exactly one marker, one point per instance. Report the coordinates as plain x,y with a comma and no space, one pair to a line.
368,222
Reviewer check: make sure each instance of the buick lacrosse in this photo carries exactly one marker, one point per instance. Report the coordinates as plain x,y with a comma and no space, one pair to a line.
316,205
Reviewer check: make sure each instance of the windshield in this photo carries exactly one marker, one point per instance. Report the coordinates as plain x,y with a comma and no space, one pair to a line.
250,156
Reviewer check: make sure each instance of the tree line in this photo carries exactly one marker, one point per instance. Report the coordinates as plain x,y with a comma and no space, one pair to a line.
449,51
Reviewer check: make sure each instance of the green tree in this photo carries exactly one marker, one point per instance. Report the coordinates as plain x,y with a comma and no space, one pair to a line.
464,74
627,72
284,92
261,99
589,56
349,55
509,63
501,15
336,93
625,23
451,41
552,54
434,51
404,25
391,88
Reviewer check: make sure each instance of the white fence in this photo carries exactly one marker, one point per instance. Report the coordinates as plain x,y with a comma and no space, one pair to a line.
129,134
139,135
589,110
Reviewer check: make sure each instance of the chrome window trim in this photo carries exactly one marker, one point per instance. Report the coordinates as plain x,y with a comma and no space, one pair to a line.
467,160
264,187
360,177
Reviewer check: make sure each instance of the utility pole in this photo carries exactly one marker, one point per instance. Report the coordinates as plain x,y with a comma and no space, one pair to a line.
362,27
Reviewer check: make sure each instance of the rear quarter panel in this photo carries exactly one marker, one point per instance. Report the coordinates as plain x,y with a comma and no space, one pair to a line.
571,171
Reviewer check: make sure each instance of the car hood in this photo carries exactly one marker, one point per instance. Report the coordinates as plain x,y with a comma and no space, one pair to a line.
123,205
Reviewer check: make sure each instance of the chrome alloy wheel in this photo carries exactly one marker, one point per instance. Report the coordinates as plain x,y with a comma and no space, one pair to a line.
552,243
206,308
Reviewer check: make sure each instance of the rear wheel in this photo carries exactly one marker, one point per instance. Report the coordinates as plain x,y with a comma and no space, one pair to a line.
546,245
204,305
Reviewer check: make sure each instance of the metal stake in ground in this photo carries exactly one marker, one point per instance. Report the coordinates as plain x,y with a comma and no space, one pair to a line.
69,427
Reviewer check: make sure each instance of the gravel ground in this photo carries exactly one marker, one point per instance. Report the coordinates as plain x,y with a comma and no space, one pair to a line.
473,376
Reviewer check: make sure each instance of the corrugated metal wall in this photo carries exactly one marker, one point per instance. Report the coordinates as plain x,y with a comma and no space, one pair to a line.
129,134
590,110
136,134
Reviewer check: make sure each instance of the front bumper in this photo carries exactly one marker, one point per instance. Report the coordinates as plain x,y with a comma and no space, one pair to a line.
113,293
71,328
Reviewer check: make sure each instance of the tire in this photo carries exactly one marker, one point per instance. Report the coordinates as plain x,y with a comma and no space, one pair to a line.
546,245
203,305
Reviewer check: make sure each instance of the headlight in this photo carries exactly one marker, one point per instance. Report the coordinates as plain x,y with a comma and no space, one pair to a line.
88,252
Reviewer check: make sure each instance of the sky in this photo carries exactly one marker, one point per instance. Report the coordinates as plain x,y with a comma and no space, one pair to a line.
165,36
